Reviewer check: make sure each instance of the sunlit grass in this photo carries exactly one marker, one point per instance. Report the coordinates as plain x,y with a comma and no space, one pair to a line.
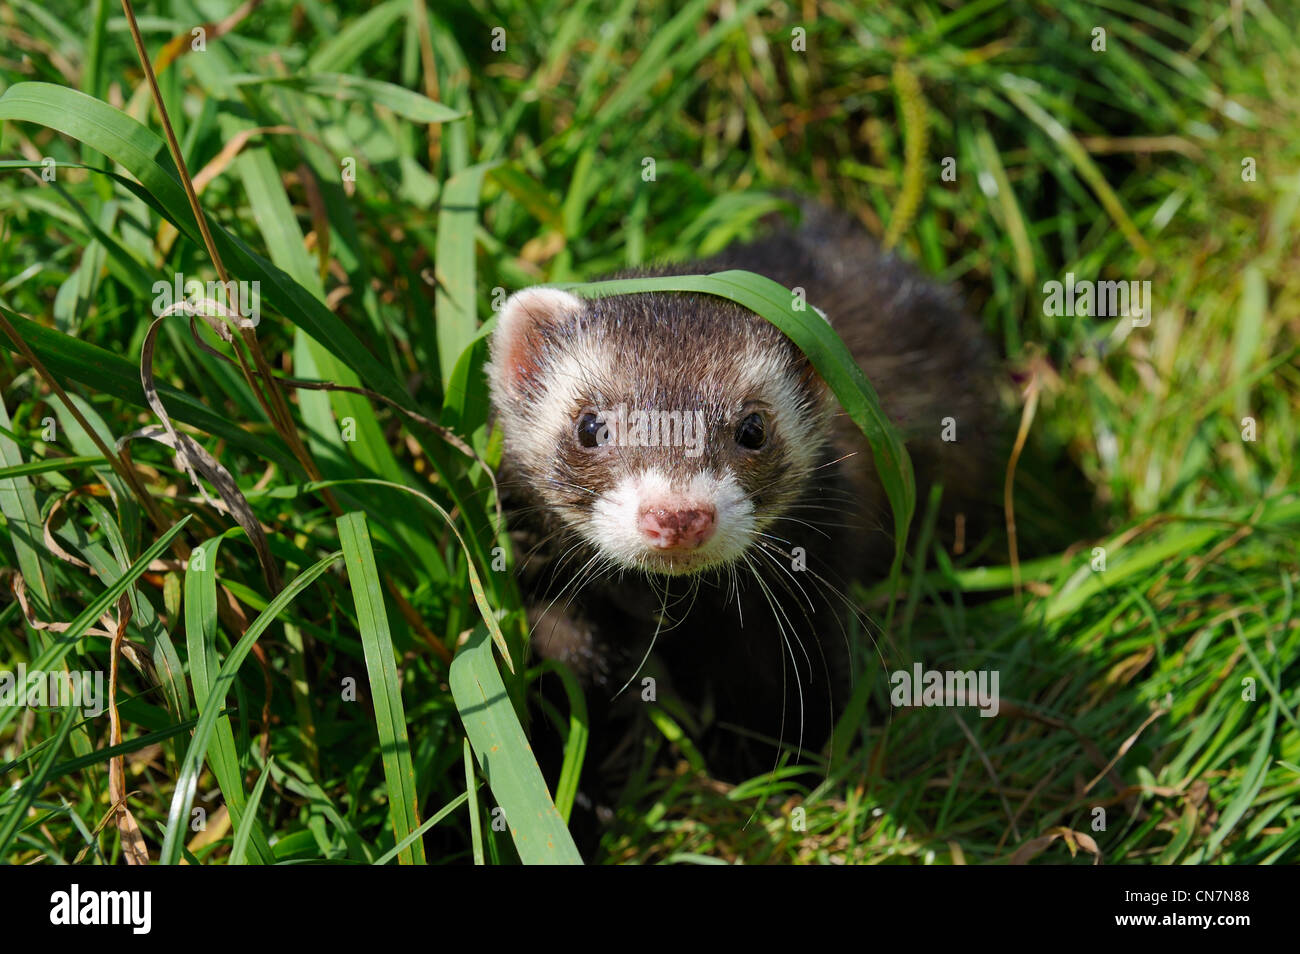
1161,691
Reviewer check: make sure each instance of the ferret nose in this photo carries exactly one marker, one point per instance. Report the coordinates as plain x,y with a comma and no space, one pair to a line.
673,529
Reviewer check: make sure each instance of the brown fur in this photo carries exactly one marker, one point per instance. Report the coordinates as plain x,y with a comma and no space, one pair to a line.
780,670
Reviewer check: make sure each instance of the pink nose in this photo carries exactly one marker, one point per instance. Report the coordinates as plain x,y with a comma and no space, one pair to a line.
673,529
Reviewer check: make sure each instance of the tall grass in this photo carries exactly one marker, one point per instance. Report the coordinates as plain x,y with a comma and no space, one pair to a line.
385,171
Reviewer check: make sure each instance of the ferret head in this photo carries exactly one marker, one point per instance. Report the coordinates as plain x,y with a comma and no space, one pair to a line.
667,431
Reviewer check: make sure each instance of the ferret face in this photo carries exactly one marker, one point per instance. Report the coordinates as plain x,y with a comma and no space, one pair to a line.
666,431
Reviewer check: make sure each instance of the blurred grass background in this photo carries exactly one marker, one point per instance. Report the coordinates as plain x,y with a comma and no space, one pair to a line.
1122,690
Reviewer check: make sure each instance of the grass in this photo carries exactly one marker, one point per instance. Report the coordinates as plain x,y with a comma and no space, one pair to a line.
386,174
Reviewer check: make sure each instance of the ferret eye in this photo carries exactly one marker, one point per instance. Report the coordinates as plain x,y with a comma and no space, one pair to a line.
592,431
752,432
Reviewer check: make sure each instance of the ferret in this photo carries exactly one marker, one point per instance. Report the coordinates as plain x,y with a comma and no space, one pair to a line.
678,478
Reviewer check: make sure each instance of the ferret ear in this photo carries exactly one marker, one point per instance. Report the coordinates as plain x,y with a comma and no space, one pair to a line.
516,342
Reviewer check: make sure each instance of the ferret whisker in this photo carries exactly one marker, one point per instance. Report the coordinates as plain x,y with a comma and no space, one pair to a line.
789,651
573,580
649,649
869,626
837,460
808,605
532,551
771,555
811,526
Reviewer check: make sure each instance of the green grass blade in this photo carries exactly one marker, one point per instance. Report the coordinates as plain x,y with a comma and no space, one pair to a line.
48,465
108,567
471,793
575,739
1015,90
17,810
1253,778
187,782
244,830
404,102
341,50
70,359
385,688
456,299
539,833
108,752
53,655
200,607
412,838
22,517
144,155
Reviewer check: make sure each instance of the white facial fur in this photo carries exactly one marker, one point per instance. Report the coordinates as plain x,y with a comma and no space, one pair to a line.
542,381
613,528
